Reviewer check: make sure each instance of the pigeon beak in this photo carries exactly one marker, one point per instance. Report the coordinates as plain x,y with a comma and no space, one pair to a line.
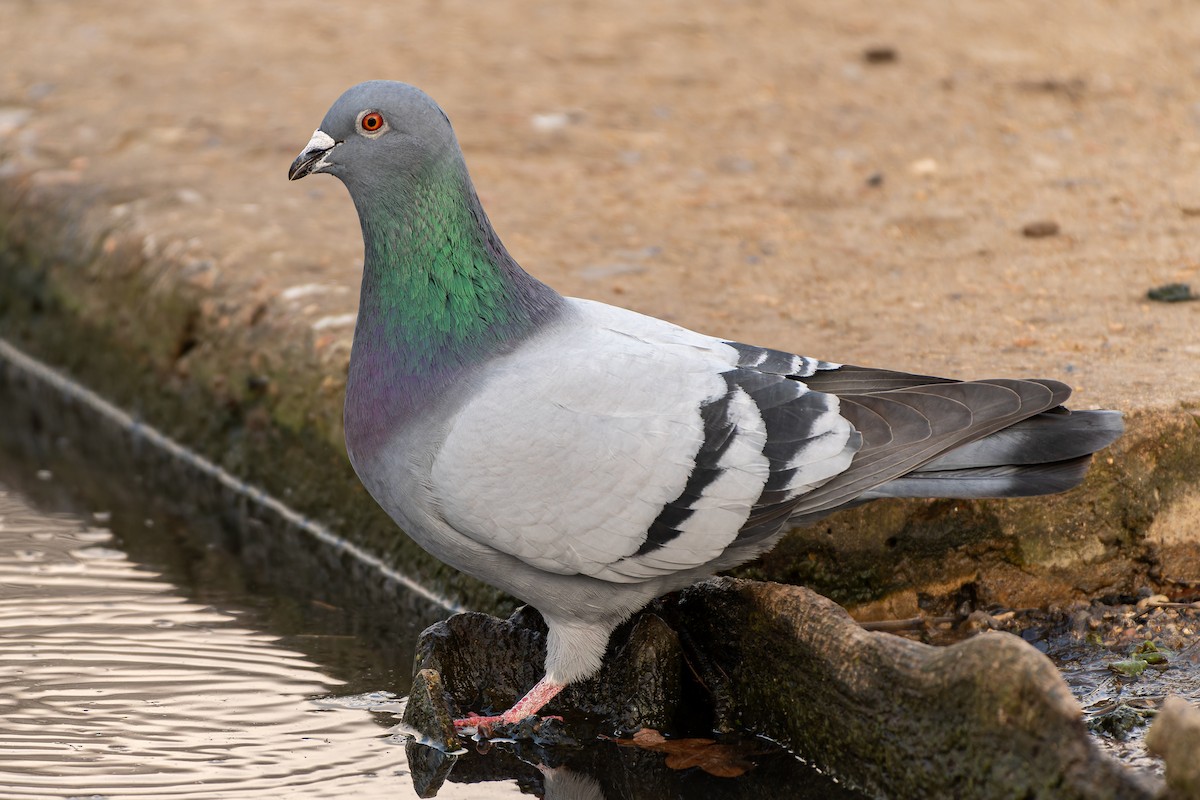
312,157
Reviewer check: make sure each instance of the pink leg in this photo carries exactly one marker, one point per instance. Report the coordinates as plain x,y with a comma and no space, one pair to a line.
527,706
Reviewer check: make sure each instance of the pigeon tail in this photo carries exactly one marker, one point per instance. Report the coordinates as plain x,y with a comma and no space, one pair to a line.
956,439
1045,454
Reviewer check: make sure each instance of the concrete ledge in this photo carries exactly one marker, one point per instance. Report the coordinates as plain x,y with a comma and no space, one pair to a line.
261,395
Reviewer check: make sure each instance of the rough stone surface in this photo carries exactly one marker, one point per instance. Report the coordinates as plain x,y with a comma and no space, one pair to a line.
487,664
428,711
1175,736
988,717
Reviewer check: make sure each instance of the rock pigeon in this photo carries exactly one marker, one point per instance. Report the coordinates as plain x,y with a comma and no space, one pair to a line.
587,459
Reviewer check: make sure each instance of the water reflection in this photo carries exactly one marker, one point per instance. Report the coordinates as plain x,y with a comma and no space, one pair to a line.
116,685
606,770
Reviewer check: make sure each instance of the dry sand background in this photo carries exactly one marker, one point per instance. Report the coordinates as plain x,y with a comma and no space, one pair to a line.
738,167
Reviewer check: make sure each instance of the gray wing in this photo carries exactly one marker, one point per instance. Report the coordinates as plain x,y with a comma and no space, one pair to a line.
625,448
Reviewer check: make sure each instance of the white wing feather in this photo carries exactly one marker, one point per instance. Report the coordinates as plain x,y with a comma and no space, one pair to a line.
575,442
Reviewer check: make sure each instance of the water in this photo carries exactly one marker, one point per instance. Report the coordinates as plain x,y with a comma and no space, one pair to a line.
119,683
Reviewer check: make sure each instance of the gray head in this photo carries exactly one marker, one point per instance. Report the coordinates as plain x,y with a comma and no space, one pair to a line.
378,130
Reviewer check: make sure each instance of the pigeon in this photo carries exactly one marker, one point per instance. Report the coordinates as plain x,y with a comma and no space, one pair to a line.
588,459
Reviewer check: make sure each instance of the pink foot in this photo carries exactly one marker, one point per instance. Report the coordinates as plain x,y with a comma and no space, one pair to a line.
527,706
482,725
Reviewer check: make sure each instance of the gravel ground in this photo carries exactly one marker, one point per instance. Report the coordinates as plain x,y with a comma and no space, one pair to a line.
973,189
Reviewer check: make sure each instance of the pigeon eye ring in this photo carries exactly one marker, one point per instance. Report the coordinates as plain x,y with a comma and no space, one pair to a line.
371,123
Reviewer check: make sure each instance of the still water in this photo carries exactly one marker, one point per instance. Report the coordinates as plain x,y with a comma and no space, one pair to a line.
117,681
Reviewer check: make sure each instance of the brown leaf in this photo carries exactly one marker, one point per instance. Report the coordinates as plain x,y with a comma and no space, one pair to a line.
721,760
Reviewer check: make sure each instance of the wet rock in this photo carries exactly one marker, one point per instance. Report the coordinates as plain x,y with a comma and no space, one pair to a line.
428,710
1175,736
429,766
987,717
486,664
621,772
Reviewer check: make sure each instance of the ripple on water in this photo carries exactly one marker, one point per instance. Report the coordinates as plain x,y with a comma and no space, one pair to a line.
116,686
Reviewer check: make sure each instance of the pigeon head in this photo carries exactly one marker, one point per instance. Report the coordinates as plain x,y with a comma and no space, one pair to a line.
375,131
440,294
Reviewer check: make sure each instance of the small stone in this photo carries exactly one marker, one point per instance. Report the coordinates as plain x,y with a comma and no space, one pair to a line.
923,166
1040,229
12,120
875,180
1171,293
554,120
1175,736
549,122
880,54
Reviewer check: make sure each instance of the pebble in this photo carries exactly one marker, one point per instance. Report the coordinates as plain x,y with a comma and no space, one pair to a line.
11,120
1040,229
1171,293
923,166
880,54
554,120
335,321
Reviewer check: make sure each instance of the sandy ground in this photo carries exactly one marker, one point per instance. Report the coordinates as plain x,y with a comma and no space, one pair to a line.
745,169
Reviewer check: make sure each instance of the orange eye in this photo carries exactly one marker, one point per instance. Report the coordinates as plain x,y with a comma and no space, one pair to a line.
372,122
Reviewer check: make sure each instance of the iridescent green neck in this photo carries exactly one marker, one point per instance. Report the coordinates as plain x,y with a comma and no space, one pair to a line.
440,294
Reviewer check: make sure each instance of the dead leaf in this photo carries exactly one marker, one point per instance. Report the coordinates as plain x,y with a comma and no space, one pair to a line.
721,760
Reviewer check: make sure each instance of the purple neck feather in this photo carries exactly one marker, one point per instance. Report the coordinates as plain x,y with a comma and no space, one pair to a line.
440,295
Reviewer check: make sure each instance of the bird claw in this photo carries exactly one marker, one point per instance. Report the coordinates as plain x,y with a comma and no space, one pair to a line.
503,725
479,723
